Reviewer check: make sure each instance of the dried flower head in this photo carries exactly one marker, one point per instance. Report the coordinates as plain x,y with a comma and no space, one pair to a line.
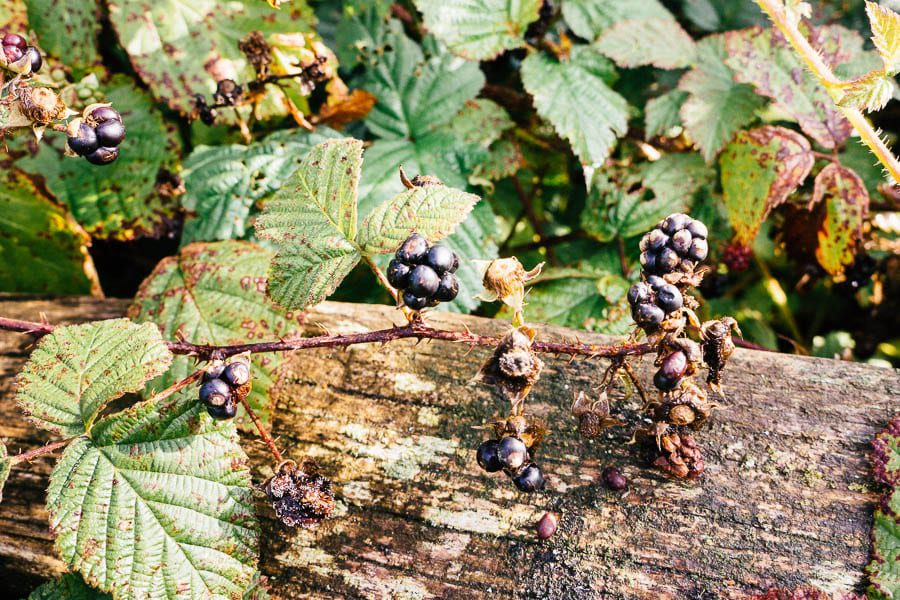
717,347
504,279
300,496
676,454
514,367
687,406
593,416
41,104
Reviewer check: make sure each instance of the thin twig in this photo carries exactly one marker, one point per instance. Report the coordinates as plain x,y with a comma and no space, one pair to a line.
636,382
262,430
382,279
40,451
162,395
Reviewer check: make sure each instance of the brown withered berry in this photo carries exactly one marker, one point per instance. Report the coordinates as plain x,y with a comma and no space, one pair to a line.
300,496
613,479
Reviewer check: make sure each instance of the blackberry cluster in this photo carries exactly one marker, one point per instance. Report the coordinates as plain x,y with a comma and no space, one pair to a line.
652,300
424,273
510,455
15,47
677,243
97,136
223,386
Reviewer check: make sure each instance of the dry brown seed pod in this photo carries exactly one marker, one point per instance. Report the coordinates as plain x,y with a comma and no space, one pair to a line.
299,495
687,406
514,367
504,279
593,416
529,429
41,105
717,347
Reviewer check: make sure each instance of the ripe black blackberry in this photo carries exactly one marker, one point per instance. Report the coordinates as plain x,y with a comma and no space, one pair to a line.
97,136
510,455
425,274
14,47
677,243
652,301
224,386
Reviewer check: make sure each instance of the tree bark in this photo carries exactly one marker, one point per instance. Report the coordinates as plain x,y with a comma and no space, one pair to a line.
786,498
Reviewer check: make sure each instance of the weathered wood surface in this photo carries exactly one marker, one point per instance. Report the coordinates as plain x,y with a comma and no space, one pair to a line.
784,500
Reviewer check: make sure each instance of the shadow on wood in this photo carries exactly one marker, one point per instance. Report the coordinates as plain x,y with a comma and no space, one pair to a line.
784,500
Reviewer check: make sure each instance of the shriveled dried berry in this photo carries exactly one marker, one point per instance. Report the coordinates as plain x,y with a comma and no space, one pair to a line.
680,456
717,346
547,525
514,367
613,479
300,496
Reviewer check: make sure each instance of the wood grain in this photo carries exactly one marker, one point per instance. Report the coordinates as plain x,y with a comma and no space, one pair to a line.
785,499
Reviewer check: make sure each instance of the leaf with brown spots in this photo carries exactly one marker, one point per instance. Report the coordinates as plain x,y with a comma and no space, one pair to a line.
847,203
760,169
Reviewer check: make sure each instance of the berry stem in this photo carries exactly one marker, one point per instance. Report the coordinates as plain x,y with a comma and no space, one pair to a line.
162,395
636,382
40,451
382,279
263,433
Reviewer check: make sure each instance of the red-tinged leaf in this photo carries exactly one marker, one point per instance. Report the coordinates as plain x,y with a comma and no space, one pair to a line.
885,455
847,202
760,169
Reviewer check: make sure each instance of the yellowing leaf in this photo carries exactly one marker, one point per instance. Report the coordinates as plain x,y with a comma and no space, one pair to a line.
870,92
886,35
847,202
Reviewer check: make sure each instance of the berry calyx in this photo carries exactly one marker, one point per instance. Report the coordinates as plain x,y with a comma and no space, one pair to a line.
84,141
487,456
512,452
529,478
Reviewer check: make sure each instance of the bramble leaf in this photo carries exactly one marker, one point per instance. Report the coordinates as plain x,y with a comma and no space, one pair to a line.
5,466
575,97
224,183
67,30
157,503
44,250
656,41
69,586
847,203
479,29
181,49
312,221
216,294
760,169
433,211
675,178
717,107
121,200
885,35
663,113
584,300
589,18
886,454
870,92
884,568
77,369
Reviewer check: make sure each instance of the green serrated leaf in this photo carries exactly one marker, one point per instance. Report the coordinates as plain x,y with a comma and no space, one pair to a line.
5,467
662,113
656,41
224,183
216,294
771,66
847,204
870,92
433,211
69,586
885,35
43,248
611,211
717,107
589,18
675,178
312,221
586,301
884,569
479,29
67,30
119,200
157,503
77,369
760,169
180,49
480,122
575,97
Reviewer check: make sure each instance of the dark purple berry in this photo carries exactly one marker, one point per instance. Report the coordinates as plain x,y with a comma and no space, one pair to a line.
639,293
487,457
674,223
398,274
15,40
448,288
667,260
669,298
656,282
699,249
413,250
681,241
529,479
103,155
236,374
442,259
664,383
547,526
213,372
102,114
37,61
223,411
648,261
613,479
654,240
110,133
674,365
697,229
215,392
512,452
648,315
85,141
414,302
423,281
13,53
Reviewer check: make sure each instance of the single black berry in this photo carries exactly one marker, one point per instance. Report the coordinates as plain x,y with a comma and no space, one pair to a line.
448,288
656,282
648,261
648,315
413,250
529,479
213,372
215,392
85,141
398,273
37,61
512,452
681,241
414,302
110,133
699,249
667,260
236,374
669,298
674,223
102,114
223,411
639,293
697,229
423,281
442,259
102,155
613,479
487,456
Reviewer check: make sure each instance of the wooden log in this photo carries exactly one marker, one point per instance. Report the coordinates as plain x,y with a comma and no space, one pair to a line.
785,499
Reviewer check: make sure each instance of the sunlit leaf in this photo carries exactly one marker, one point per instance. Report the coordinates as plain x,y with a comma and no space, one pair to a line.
589,18
846,205
886,35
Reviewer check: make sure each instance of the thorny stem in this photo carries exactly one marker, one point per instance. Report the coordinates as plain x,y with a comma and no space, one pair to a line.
831,83
262,431
40,451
